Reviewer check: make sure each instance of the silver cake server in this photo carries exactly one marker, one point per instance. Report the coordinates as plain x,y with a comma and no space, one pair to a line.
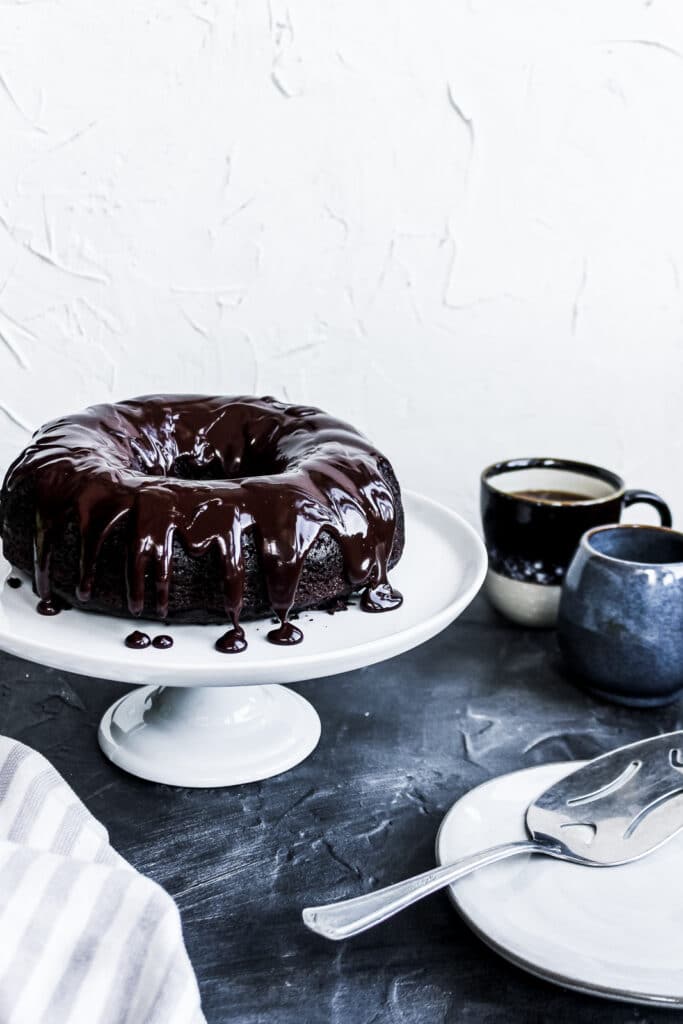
612,810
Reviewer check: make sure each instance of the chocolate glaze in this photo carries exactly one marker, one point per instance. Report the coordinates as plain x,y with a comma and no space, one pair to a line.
48,607
382,598
286,635
162,642
13,582
232,642
137,640
207,470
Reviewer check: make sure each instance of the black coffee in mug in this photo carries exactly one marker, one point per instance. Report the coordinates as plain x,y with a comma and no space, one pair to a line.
534,513
552,495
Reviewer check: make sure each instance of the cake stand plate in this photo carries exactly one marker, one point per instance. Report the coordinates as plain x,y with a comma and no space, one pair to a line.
203,718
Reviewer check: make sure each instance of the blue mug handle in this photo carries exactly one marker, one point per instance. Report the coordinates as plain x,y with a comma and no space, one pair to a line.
648,498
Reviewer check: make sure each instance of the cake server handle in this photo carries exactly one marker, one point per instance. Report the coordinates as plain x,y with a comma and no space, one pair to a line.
351,917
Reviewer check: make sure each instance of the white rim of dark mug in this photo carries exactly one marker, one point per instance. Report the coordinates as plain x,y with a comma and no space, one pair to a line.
568,465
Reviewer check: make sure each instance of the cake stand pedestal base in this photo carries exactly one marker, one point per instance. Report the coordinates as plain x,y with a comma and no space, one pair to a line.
209,736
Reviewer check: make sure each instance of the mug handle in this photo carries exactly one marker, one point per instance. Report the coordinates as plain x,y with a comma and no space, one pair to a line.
634,497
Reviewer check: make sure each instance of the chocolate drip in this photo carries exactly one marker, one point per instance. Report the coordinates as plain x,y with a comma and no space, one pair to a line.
13,582
285,635
382,598
48,607
232,642
137,640
162,642
205,472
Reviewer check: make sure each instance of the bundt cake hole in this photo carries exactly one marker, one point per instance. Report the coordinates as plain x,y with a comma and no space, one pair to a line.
249,464
180,452
188,466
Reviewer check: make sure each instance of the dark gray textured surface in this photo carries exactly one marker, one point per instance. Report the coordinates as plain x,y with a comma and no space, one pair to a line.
401,741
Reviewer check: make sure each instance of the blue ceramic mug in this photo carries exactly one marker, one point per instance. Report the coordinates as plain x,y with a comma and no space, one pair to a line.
621,614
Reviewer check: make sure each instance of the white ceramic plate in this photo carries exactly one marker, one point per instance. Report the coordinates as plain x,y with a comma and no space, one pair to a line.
441,571
612,932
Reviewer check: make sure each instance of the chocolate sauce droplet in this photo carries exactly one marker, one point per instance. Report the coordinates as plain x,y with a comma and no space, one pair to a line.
382,598
13,582
137,640
47,608
232,642
162,642
286,635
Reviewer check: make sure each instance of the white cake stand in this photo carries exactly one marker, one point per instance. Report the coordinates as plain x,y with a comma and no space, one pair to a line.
202,718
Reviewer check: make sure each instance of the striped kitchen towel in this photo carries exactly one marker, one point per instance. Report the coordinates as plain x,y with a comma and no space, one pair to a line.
84,938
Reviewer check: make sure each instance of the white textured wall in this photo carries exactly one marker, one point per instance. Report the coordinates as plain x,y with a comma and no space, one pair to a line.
457,224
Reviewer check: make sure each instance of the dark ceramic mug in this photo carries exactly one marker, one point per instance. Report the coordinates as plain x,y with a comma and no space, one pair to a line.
621,614
534,512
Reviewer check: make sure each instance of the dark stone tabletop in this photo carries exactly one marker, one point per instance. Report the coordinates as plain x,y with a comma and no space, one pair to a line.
400,742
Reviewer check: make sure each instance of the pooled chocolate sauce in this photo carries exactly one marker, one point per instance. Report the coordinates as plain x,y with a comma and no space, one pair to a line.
286,635
162,642
13,582
206,471
137,640
382,598
232,642
48,607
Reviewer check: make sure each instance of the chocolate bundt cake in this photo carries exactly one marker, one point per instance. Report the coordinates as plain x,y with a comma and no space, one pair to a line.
186,508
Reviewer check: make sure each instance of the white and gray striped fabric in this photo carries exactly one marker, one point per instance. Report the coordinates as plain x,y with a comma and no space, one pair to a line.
84,938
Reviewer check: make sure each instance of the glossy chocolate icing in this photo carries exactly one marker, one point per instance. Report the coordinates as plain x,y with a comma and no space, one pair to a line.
286,635
232,642
162,642
382,598
206,471
48,607
137,640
